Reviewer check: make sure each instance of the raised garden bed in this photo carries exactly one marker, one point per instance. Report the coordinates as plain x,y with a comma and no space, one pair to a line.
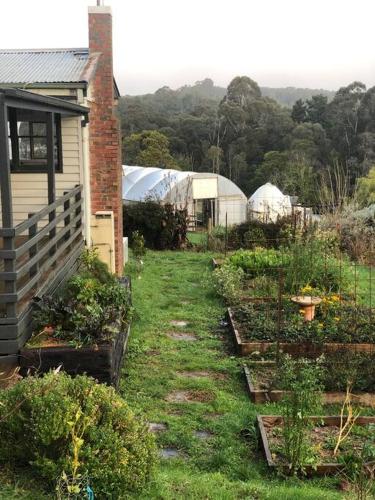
324,428
102,362
97,349
259,376
307,349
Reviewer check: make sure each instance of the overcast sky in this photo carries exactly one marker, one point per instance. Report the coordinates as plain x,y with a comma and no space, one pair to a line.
302,43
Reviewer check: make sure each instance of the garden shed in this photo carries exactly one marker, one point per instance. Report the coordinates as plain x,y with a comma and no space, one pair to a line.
206,196
268,203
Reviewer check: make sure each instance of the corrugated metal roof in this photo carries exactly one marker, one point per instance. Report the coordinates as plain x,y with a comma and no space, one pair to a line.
32,66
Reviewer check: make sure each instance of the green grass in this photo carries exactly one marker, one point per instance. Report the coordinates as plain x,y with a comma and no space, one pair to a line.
197,237
227,465
364,283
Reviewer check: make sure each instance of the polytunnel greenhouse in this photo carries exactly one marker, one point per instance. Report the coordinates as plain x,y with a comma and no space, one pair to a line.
206,196
268,203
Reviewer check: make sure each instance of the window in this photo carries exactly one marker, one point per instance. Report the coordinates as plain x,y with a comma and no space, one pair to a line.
28,141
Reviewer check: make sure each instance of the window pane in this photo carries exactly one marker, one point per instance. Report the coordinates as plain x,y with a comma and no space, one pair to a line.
10,148
24,148
23,128
39,148
39,129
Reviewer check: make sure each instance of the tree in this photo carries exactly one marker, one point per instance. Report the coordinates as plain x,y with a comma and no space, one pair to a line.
316,109
299,112
242,90
310,140
148,149
214,154
343,120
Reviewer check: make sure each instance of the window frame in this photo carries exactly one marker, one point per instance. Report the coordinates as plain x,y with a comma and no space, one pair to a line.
31,166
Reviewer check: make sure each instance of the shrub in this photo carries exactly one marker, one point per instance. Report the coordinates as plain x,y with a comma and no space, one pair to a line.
227,281
355,231
254,237
61,425
163,226
138,244
254,233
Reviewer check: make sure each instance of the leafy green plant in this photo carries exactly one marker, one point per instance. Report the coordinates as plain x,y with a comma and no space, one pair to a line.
303,399
58,424
86,312
260,260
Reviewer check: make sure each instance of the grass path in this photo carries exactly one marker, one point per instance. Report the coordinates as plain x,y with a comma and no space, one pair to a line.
211,425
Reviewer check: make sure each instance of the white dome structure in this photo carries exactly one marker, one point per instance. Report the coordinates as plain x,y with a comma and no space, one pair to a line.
205,195
268,203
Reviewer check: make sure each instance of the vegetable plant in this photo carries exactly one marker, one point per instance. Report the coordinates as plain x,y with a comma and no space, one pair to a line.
302,400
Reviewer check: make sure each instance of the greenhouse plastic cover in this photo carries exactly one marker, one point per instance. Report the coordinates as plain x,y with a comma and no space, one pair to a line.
269,198
140,183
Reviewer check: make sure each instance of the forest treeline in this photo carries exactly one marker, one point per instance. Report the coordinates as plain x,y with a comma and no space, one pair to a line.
318,147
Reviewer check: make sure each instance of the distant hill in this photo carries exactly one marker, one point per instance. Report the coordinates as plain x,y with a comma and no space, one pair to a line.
205,90
287,96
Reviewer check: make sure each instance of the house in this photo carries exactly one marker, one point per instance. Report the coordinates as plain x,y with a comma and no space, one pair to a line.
60,170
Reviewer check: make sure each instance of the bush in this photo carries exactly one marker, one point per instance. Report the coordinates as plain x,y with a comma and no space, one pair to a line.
163,226
53,423
355,232
227,281
138,244
254,233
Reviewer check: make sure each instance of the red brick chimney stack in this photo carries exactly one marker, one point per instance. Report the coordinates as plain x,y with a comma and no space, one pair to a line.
105,142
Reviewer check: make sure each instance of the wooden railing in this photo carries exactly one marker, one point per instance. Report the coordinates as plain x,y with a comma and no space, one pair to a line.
35,248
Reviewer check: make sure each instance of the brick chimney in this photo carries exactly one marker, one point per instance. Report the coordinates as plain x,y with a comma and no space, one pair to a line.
105,141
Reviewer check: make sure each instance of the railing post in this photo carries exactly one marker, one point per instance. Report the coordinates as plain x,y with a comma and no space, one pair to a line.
34,249
67,218
51,157
10,286
78,197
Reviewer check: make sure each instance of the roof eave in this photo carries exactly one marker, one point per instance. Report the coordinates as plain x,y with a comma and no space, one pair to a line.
23,98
